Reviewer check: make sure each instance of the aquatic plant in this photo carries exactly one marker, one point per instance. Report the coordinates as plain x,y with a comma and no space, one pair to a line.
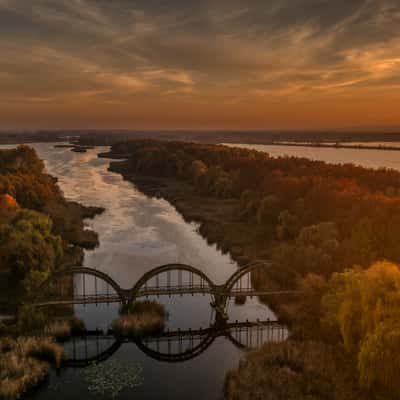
111,377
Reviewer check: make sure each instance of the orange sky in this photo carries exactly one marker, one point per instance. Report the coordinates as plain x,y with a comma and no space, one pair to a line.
306,64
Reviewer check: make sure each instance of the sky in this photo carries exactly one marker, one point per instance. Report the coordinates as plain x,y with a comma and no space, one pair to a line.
200,64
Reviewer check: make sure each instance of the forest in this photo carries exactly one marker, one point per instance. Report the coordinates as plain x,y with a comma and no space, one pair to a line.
332,233
39,230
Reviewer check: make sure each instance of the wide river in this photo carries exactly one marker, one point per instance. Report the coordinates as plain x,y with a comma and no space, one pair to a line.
136,234
365,157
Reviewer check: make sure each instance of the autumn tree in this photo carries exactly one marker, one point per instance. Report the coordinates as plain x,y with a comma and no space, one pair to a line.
27,244
363,306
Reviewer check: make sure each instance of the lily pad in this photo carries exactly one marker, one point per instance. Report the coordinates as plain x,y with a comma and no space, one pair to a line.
111,377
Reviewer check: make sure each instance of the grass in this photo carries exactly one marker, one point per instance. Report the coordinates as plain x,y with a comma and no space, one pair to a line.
24,363
146,317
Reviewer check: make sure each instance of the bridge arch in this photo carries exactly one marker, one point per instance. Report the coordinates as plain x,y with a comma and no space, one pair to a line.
196,281
242,272
100,353
71,272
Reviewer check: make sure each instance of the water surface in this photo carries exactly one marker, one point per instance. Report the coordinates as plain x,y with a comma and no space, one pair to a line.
136,234
363,157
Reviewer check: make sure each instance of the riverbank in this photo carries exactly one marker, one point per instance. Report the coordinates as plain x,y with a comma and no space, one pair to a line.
216,217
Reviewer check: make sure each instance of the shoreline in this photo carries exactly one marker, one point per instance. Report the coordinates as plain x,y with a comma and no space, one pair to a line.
182,196
217,224
339,146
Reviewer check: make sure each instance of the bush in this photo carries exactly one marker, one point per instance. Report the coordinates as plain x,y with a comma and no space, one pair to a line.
63,329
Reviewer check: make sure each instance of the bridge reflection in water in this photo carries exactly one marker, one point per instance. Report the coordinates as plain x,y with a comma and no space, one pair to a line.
81,286
175,346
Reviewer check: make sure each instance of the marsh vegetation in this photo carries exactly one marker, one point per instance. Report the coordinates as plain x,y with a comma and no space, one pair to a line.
143,318
25,362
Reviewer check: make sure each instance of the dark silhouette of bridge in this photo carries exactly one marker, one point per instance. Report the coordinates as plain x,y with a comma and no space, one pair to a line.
96,287
178,345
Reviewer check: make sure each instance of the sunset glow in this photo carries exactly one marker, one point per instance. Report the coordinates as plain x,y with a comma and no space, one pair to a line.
153,64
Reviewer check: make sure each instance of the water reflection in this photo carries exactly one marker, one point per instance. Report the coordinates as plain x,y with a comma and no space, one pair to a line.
136,234
178,345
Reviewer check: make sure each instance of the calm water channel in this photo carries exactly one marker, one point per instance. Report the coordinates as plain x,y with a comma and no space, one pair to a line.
138,233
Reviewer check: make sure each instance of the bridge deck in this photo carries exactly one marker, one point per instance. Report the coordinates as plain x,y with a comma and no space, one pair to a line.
80,300
114,298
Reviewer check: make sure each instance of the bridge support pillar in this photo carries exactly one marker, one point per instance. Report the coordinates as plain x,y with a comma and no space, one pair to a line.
219,305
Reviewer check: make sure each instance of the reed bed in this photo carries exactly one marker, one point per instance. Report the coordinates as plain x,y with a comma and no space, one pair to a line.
146,317
62,330
24,363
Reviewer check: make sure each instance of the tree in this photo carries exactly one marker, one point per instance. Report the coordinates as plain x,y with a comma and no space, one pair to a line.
364,306
268,210
316,249
288,225
197,170
27,244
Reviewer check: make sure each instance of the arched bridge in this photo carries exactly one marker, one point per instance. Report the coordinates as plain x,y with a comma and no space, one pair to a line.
81,285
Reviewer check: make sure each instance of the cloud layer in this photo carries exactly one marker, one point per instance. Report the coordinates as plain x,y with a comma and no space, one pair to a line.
186,63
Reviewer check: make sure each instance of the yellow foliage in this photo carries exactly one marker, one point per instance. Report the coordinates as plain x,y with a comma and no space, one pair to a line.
365,306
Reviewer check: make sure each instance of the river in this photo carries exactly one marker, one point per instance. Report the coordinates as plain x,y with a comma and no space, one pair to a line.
365,157
136,234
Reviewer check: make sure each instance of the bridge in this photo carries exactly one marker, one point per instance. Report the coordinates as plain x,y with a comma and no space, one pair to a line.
81,285
178,345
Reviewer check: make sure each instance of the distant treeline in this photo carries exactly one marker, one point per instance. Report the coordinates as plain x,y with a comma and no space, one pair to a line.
109,137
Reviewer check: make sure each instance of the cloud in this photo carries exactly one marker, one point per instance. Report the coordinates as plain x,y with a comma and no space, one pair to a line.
235,51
